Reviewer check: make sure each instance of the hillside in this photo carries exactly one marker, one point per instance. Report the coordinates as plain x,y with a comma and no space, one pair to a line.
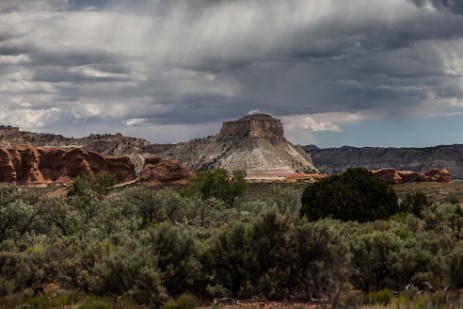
336,160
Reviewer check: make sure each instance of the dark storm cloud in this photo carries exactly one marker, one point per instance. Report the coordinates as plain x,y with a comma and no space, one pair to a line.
195,61
7,49
454,6
66,57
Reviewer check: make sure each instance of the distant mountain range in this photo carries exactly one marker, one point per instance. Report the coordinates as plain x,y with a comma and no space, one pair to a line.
337,160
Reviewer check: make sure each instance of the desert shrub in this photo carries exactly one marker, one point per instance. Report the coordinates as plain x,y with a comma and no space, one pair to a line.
455,222
57,216
101,183
381,297
286,199
415,203
455,267
387,259
185,301
94,303
9,194
219,184
112,220
266,267
87,206
356,194
207,213
318,260
18,270
69,259
19,212
150,206
229,257
177,254
129,269
16,218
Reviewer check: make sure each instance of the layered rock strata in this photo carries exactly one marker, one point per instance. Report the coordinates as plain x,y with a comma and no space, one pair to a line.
254,143
28,165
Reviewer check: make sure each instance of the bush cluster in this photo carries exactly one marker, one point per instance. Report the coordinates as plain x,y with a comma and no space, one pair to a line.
152,246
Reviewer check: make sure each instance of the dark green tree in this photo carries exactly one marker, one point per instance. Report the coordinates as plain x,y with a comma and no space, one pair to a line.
218,183
356,194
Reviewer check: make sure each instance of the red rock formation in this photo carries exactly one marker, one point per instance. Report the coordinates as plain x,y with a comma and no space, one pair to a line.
28,165
438,176
157,172
394,177
389,175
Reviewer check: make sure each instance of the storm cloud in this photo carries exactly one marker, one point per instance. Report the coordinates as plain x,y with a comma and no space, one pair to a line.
150,67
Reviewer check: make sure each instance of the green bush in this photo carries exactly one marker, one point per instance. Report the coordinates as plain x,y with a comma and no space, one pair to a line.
266,269
101,183
381,297
18,270
318,260
185,301
455,268
356,195
218,183
177,254
129,269
229,257
415,203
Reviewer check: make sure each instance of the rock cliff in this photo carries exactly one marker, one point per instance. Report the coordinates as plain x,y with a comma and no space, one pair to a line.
254,143
28,165
256,126
337,160
393,176
106,144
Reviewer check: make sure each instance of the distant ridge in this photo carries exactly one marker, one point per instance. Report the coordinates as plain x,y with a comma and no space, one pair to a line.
337,160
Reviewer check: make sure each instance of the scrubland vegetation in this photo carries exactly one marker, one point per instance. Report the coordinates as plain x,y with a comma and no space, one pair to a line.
137,246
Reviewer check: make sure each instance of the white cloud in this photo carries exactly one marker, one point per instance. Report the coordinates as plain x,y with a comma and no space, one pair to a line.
298,128
28,118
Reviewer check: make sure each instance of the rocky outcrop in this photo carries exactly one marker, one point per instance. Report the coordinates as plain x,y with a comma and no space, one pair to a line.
338,160
28,165
158,172
256,126
393,176
9,135
254,143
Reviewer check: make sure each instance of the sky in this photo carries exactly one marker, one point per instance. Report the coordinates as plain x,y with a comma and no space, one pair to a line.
336,72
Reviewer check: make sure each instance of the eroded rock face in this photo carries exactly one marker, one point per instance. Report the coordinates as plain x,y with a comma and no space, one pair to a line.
257,126
254,143
160,172
393,176
27,165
